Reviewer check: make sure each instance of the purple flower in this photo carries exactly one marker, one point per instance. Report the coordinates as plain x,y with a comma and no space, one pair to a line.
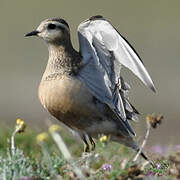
26,178
159,166
150,173
107,167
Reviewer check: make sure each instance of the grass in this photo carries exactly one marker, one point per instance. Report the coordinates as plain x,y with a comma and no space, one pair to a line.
39,158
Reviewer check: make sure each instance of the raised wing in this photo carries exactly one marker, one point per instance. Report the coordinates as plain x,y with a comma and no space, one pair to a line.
104,50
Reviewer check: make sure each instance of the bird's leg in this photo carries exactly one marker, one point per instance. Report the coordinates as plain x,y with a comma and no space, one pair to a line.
86,145
93,144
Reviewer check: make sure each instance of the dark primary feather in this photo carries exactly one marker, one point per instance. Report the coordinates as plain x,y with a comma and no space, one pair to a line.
96,17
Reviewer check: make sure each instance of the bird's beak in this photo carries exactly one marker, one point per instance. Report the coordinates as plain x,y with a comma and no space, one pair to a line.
33,33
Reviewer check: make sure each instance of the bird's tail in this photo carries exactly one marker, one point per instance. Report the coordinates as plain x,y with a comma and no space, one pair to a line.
128,141
146,158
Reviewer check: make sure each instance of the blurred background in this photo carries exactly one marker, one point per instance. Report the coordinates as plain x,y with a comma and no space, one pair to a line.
152,27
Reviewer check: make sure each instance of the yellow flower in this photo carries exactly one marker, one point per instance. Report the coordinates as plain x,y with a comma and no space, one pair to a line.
20,125
103,139
54,128
42,137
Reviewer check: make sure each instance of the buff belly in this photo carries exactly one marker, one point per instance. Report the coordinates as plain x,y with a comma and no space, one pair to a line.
69,100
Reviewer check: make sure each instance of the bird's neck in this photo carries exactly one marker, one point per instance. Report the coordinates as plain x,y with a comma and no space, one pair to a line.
63,59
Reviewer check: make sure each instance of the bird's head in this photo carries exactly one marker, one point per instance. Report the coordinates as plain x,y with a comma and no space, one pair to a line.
53,31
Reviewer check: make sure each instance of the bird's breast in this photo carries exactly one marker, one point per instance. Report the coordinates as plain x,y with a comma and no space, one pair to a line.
67,98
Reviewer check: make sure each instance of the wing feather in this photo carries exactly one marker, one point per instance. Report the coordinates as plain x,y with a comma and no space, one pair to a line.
104,50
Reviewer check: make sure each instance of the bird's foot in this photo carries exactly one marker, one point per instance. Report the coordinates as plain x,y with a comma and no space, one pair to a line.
93,144
87,148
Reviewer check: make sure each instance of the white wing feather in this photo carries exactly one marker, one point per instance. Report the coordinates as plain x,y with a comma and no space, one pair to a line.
104,50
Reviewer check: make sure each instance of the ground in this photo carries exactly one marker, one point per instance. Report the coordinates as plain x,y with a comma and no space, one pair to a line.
45,156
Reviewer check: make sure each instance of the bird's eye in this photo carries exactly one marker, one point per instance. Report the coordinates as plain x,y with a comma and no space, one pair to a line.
51,26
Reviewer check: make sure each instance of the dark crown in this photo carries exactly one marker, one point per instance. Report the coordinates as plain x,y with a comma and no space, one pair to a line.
60,20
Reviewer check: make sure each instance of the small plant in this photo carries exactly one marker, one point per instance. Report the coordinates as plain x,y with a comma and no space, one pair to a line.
48,157
161,168
15,165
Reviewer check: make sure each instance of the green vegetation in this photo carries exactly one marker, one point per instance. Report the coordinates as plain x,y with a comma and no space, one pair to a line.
38,157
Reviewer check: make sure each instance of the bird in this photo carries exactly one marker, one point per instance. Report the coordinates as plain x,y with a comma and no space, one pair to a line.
85,89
